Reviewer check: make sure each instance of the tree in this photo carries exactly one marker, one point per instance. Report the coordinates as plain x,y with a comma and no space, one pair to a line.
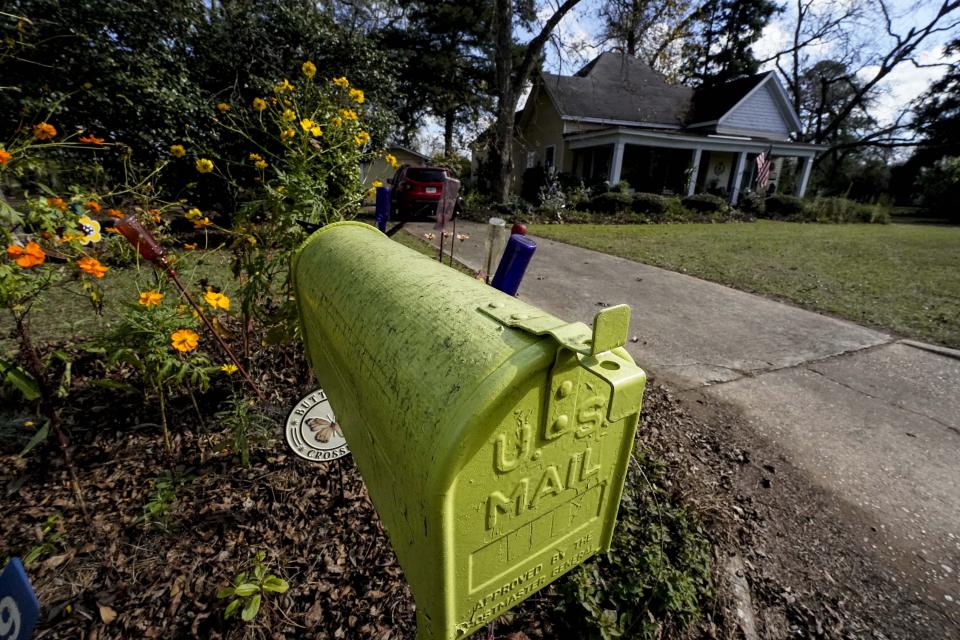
649,29
514,66
936,115
721,47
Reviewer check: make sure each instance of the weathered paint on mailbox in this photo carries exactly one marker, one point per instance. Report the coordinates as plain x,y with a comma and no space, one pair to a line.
493,438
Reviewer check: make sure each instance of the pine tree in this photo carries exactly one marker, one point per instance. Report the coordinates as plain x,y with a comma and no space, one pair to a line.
721,49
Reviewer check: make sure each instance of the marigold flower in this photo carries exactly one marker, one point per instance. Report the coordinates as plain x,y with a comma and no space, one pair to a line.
337,121
287,133
202,223
28,256
306,124
177,150
217,300
204,166
194,214
283,86
90,228
260,164
309,69
362,138
229,369
112,230
259,104
190,245
256,156
5,156
348,114
150,298
391,160
114,213
154,215
223,107
341,82
184,340
92,206
44,131
289,115
57,203
377,184
92,266
91,139
356,95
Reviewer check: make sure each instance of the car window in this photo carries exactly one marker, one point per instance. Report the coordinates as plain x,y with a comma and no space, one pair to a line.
426,175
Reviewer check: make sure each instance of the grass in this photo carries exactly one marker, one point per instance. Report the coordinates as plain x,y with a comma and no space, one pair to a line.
901,278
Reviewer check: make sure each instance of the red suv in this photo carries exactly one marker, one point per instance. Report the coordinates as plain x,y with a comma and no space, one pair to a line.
416,192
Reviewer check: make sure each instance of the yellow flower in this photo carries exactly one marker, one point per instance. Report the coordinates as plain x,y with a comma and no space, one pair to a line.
256,156
377,184
336,121
194,214
204,165
150,298
348,114
44,131
283,86
91,229
289,115
287,133
341,82
316,132
184,340
177,150
229,368
362,138
309,69
260,164
259,104
306,124
201,223
217,300
357,95
391,160
223,107
190,245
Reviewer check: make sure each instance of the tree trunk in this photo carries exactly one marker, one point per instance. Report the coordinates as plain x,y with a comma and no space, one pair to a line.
448,121
501,155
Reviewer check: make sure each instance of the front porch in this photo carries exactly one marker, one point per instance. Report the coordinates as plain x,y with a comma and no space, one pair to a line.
684,164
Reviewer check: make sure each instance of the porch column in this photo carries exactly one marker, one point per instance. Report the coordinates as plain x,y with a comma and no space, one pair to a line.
737,177
616,163
694,172
805,176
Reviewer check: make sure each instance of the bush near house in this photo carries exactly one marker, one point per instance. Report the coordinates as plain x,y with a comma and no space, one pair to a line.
780,205
705,203
610,202
650,203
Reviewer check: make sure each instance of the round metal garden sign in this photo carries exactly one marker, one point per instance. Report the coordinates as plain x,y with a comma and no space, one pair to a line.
312,430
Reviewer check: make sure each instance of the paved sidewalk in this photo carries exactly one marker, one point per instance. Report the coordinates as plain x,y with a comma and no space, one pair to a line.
872,419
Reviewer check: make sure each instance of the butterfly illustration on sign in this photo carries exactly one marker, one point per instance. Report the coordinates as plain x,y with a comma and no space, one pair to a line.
324,429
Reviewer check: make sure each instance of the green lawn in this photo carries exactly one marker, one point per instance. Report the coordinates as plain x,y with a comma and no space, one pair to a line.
902,278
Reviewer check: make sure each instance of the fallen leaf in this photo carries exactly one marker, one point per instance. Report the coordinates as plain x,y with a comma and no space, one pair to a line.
107,614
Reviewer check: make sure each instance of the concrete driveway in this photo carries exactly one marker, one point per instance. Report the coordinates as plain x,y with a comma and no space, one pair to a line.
870,418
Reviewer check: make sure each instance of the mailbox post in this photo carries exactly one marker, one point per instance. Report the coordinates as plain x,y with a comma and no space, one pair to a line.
493,438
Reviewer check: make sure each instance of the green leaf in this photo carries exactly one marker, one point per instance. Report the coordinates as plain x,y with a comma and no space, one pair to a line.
232,609
250,611
247,589
40,436
226,592
273,584
20,380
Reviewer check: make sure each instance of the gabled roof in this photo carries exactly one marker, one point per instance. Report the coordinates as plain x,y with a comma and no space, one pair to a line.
711,103
618,88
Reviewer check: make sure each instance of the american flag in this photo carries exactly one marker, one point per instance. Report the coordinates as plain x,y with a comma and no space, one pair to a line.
764,161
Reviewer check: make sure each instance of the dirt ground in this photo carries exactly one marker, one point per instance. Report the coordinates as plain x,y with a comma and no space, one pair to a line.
805,560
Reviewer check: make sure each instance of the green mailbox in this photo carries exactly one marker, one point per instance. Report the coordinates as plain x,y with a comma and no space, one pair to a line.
493,437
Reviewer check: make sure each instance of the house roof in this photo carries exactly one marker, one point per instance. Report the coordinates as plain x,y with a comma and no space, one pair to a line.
621,88
711,103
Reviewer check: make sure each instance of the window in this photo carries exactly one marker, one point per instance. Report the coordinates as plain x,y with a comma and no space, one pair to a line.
548,154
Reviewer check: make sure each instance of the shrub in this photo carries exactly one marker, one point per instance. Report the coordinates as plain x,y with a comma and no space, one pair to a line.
843,210
649,203
753,203
610,202
705,203
783,206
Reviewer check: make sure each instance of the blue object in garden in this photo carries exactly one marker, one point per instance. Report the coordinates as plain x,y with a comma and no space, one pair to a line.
513,264
19,607
383,207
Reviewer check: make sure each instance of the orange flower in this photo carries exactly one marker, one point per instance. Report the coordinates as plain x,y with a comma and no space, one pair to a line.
150,298
44,131
154,215
5,156
190,245
184,340
92,266
112,230
202,222
91,139
57,203
28,256
217,300
114,213
92,206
